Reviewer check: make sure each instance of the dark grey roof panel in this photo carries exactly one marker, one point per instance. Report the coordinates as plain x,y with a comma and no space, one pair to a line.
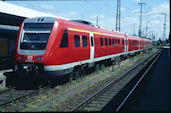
40,20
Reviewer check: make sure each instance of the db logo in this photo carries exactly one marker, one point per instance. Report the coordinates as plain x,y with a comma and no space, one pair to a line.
29,59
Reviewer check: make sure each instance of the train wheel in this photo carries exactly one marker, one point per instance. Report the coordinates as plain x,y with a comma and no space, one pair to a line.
98,68
75,74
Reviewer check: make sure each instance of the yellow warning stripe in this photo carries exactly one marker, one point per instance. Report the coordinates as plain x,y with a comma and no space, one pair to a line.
85,31
98,33
79,30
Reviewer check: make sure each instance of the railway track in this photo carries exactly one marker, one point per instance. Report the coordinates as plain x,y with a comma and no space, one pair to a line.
119,89
11,95
23,94
139,80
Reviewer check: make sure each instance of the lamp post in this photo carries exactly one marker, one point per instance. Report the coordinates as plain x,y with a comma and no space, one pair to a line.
140,26
164,25
97,20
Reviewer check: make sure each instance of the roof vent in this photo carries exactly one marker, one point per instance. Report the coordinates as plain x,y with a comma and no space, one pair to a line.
38,19
42,19
83,22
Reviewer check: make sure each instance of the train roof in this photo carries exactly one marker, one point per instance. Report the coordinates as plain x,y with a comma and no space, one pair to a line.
84,25
40,20
83,22
87,27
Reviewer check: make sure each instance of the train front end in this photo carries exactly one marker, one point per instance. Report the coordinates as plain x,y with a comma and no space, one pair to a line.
33,38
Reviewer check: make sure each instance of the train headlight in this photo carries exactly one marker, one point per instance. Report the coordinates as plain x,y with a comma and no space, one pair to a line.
39,58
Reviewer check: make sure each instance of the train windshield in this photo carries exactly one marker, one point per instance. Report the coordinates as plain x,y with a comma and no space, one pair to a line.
38,26
35,36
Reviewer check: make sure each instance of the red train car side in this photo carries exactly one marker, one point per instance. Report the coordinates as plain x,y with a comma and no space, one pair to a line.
57,46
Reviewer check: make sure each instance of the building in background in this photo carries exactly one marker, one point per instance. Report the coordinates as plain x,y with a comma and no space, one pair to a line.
11,16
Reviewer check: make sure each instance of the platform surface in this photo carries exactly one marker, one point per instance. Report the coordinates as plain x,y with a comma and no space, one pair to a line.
156,94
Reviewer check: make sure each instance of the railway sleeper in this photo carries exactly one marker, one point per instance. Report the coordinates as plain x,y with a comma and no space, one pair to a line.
98,105
90,109
109,94
106,97
4,99
101,98
95,105
97,102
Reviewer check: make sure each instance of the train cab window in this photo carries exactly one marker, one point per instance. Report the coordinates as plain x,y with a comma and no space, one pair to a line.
118,42
101,41
106,42
113,42
77,40
84,41
64,41
109,41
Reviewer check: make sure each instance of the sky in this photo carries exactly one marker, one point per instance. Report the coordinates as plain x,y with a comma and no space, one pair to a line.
88,10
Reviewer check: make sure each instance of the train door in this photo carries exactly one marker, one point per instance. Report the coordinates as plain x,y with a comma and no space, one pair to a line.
91,47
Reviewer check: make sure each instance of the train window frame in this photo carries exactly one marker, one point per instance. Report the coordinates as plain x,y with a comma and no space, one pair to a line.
106,43
101,41
110,43
118,41
76,40
85,42
123,42
64,40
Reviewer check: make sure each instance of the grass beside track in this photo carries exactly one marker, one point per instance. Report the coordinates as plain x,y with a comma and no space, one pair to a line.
72,93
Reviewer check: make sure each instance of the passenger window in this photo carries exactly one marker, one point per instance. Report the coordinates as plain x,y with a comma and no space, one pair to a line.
106,42
84,41
110,41
77,40
118,42
101,40
64,41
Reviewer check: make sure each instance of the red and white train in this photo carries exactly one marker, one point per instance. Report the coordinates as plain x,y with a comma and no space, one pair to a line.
47,44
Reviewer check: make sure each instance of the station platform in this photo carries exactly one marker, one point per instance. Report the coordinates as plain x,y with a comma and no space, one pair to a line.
154,92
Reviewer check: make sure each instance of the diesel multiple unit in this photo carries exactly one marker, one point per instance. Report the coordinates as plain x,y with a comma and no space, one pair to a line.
55,45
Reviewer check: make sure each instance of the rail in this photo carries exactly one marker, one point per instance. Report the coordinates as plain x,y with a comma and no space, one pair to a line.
124,100
10,95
